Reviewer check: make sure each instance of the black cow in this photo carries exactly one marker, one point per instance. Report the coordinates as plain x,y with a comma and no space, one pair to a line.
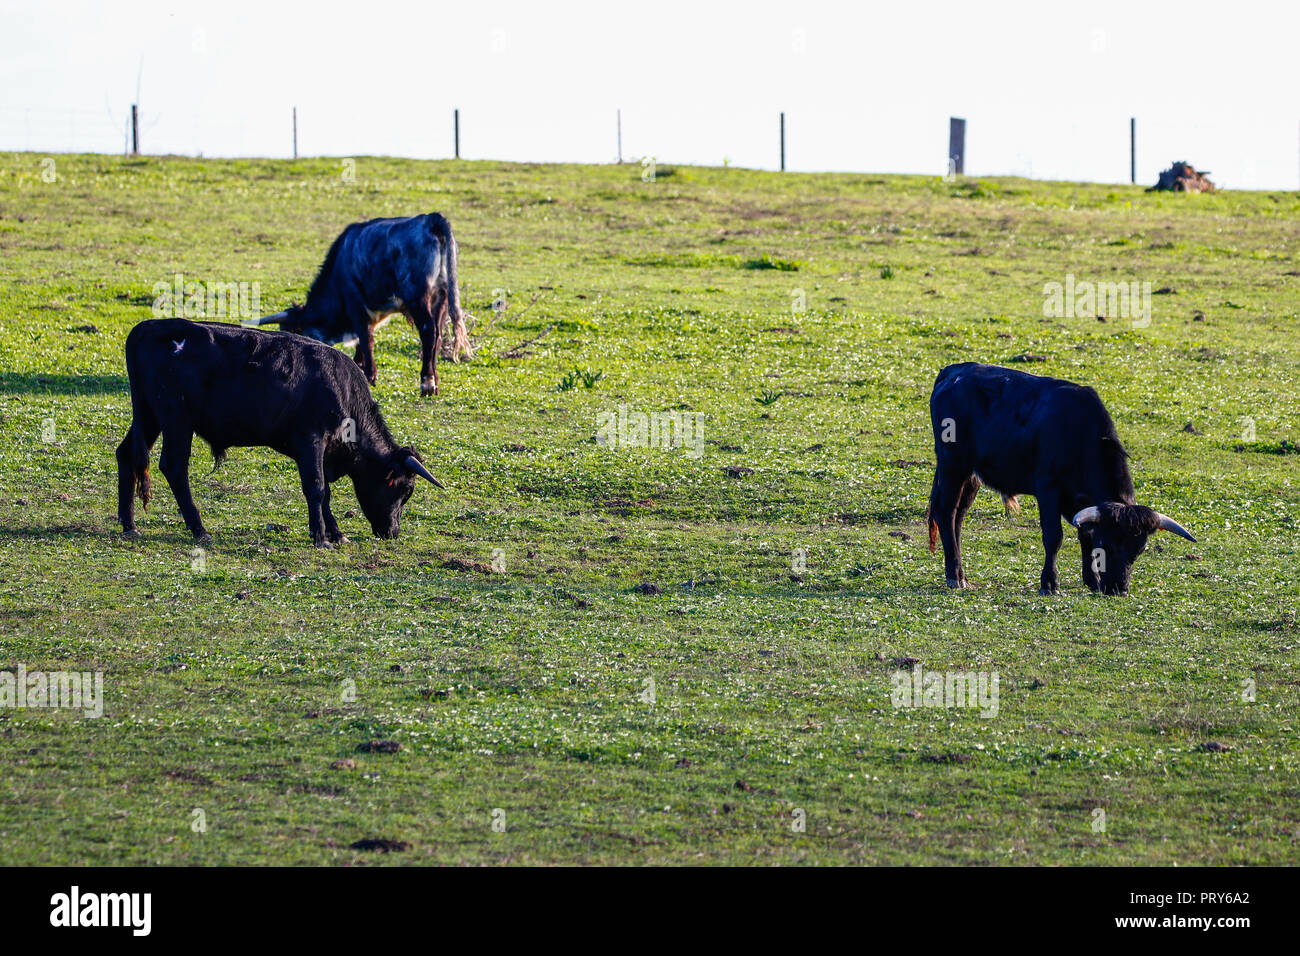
1046,437
235,387
375,270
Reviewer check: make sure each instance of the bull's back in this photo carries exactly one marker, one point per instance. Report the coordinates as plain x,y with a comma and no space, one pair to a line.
168,358
1008,425
971,394
232,385
390,261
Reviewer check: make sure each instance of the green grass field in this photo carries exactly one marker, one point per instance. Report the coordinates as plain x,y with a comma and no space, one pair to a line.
642,655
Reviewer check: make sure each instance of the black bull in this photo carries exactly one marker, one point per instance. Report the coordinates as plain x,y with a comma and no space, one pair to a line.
381,268
239,387
1053,439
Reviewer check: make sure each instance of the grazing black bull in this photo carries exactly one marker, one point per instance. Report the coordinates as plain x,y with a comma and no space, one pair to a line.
1025,434
378,269
239,387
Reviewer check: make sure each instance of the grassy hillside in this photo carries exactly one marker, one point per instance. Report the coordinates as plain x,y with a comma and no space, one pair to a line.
617,653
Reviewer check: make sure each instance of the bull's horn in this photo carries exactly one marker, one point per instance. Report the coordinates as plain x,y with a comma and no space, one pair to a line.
414,464
267,319
1086,516
1169,524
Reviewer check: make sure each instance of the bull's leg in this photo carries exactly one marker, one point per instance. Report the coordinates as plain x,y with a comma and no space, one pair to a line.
1089,575
133,471
331,525
964,500
425,319
354,307
944,499
366,352
315,489
174,462
126,484
1049,518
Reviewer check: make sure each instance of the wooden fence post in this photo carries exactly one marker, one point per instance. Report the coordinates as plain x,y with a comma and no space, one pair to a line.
1133,150
956,146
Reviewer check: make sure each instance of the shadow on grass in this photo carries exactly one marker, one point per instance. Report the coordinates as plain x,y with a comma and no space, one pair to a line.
46,384
38,532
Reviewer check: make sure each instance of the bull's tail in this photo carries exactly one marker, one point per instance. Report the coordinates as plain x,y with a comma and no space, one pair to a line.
140,466
930,511
1010,504
451,324
133,452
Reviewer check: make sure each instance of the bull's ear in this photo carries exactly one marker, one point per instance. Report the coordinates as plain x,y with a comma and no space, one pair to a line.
1113,447
416,467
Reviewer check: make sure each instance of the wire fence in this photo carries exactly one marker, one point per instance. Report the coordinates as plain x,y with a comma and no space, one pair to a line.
1242,153
65,131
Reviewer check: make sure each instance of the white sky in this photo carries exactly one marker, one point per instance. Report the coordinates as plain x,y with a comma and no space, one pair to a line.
1047,87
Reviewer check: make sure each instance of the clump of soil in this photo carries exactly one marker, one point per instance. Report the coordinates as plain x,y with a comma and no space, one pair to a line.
380,747
382,845
463,564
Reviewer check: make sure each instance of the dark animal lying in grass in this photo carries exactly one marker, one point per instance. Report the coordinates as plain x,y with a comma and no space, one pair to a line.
377,269
1024,434
1181,177
239,387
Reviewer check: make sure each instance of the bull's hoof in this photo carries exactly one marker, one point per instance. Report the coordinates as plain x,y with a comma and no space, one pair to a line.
323,543
960,584
203,538
131,535
1047,592
428,388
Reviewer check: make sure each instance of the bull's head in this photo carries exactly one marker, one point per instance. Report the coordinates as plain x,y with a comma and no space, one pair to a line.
1111,536
384,486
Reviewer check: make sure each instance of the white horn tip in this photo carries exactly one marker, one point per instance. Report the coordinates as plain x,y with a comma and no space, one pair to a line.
1169,524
